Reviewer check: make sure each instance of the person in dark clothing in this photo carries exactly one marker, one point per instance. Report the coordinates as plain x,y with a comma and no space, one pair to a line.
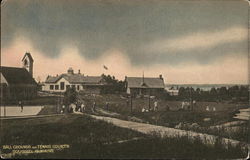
107,106
21,105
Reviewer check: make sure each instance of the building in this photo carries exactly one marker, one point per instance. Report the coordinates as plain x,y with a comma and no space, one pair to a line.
18,83
172,91
86,84
144,85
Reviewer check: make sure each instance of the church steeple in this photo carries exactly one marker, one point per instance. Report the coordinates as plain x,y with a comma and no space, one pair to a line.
28,63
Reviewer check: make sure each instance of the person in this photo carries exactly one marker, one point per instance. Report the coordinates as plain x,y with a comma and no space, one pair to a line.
73,107
93,107
82,107
107,106
207,108
155,106
143,110
167,108
21,105
182,105
214,109
63,109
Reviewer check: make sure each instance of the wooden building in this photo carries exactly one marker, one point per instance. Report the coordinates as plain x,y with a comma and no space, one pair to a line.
86,84
17,83
144,85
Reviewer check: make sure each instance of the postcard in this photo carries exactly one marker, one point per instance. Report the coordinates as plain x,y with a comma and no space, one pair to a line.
124,79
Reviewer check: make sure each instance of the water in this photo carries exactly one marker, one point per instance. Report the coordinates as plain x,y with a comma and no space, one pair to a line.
16,111
204,87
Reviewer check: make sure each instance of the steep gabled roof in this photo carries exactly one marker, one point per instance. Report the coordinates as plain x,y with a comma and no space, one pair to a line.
29,55
139,82
17,75
75,78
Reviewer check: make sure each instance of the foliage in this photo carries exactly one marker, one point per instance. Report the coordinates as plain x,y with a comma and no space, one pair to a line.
70,96
233,93
113,85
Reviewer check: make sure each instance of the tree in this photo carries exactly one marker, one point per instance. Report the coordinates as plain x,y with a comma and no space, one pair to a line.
70,96
113,85
213,94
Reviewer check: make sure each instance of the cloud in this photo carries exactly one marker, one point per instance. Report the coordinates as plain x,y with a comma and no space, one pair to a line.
198,40
171,28
230,69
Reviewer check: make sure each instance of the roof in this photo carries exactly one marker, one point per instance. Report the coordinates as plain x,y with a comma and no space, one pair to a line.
75,78
138,82
29,55
17,75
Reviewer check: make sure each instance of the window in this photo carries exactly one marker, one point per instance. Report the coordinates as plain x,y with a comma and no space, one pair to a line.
56,87
73,86
62,85
78,87
51,87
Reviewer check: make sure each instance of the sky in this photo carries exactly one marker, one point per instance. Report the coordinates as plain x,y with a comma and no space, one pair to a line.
187,42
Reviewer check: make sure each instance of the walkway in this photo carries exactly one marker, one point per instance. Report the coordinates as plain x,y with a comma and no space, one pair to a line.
33,116
165,131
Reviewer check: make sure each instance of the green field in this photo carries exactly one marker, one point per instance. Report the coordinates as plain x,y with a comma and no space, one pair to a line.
89,138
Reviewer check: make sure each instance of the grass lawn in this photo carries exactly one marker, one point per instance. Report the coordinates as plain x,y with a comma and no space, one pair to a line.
224,113
89,138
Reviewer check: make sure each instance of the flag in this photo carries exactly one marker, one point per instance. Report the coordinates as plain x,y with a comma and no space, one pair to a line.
105,67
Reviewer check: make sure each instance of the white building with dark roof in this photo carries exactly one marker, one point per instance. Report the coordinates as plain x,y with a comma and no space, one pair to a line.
144,85
87,84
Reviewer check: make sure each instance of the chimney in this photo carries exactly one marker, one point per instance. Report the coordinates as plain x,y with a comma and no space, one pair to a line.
79,71
70,71
160,76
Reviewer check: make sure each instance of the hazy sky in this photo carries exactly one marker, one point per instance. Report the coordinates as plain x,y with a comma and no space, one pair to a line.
185,41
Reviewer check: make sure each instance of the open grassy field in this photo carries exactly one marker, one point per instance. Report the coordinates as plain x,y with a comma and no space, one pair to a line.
224,111
172,117
89,138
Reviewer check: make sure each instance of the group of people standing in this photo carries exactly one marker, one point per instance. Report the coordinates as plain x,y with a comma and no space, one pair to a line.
155,108
80,107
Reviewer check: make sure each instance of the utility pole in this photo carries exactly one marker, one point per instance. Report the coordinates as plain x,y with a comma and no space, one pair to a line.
191,99
1,100
149,107
131,105
4,111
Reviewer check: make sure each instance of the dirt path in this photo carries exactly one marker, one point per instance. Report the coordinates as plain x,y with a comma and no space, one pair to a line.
165,131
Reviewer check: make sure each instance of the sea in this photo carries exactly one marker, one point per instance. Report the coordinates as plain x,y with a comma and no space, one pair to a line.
204,87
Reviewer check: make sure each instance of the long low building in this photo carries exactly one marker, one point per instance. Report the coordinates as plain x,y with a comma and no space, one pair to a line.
144,85
87,84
